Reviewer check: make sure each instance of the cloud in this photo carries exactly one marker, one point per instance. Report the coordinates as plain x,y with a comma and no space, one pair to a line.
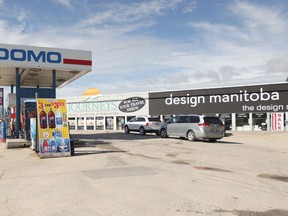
65,3
190,7
261,23
255,16
117,13
277,65
238,52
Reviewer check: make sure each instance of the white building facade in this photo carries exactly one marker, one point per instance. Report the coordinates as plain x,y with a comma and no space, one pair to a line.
110,112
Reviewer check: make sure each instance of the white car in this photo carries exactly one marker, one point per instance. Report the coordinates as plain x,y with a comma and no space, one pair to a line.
143,124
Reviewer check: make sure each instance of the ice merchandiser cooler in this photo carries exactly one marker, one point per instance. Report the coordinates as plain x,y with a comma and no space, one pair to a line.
33,133
30,112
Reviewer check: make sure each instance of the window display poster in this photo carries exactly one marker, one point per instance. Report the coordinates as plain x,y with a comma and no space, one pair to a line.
53,131
277,121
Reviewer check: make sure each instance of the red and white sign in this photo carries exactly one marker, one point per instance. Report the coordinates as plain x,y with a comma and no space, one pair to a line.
44,57
277,121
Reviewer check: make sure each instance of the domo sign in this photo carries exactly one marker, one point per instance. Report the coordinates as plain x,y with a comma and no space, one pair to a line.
43,57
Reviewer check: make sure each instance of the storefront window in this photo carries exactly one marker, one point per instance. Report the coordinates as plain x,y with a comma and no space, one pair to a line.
80,125
99,123
72,123
120,122
242,121
109,123
259,121
130,117
227,120
90,123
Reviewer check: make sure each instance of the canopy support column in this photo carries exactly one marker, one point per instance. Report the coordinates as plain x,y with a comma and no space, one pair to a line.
18,103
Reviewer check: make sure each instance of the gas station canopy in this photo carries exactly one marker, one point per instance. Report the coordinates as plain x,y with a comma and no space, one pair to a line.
35,65
38,71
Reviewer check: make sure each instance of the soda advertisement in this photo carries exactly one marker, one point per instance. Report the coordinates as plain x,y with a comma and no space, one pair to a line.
53,131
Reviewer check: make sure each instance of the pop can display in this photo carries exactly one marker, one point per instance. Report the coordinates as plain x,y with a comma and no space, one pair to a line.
53,131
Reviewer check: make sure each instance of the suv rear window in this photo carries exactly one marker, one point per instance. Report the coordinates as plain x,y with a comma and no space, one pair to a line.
141,119
154,119
212,120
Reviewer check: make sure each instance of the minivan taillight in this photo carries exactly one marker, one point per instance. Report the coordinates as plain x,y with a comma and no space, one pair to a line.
148,124
204,124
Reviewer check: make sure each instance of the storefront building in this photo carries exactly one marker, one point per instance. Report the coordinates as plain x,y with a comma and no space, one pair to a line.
242,108
109,112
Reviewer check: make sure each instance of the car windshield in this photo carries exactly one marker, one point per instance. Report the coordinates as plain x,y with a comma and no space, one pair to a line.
212,120
154,119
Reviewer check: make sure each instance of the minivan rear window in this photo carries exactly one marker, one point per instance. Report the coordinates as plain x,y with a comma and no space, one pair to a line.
212,120
194,119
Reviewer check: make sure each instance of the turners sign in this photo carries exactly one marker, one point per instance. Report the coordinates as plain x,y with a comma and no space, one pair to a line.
260,98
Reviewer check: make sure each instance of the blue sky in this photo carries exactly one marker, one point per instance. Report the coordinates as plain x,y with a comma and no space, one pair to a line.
158,45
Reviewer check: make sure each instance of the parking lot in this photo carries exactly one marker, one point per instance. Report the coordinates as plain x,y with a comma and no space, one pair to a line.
112,173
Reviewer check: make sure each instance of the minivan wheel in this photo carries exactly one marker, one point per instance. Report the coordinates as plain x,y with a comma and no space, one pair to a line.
126,129
191,136
163,133
142,130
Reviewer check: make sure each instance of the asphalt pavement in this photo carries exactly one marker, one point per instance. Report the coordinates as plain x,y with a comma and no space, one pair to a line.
112,173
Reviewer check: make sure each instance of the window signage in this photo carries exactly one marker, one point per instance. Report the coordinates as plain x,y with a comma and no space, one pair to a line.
242,115
277,121
240,99
259,115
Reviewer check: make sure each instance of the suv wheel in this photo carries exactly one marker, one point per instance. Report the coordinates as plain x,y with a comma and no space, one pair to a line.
191,135
163,133
142,130
126,129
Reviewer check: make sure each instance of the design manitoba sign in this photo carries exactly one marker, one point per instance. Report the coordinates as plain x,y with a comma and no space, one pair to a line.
240,99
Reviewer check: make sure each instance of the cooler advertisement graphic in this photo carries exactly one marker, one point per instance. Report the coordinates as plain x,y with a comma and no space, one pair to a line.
53,137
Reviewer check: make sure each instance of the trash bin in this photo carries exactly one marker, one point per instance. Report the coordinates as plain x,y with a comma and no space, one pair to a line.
72,147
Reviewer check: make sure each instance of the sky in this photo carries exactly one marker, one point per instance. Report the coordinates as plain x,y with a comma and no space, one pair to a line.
157,45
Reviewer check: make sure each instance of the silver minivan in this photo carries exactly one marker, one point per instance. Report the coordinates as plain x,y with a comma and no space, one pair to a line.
193,127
